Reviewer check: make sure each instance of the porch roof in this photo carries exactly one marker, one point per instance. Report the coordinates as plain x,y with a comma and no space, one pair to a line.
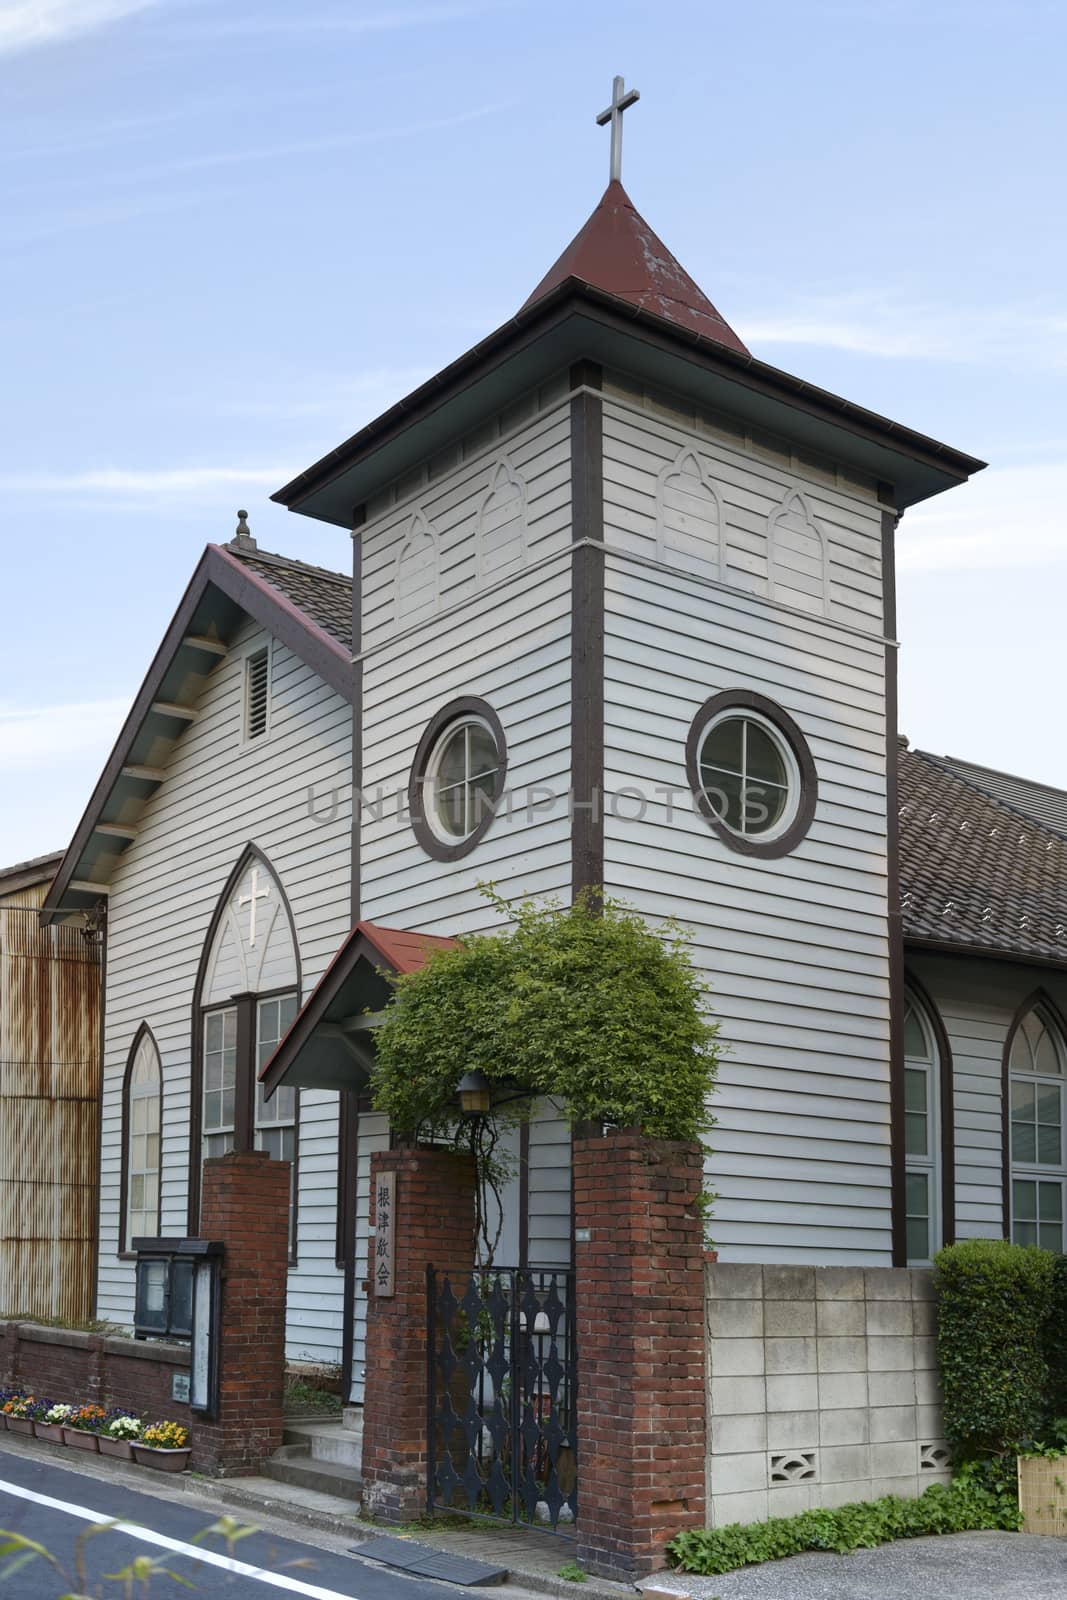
330,1044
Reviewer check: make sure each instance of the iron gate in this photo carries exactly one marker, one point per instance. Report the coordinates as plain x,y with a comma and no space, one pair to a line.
502,1395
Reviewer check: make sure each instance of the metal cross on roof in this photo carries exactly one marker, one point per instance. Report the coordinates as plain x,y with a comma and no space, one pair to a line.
621,100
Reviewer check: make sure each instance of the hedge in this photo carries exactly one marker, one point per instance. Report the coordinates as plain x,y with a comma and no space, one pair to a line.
994,1300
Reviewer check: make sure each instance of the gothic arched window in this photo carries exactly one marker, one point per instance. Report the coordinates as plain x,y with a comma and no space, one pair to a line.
690,527
922,1135
798,563
1037,1066
502,525
247,995
142,1108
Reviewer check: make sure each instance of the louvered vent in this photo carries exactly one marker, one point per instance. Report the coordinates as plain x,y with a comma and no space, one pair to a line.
257,694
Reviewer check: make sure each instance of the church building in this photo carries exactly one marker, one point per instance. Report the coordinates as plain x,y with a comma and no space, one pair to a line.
614,606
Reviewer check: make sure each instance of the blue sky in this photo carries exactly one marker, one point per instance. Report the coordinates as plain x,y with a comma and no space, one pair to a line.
235,230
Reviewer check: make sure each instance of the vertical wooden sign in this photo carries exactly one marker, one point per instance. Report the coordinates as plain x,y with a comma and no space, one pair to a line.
385,1234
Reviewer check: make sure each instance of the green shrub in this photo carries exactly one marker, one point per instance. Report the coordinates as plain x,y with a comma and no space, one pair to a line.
993,1300
1056,1344
973,1501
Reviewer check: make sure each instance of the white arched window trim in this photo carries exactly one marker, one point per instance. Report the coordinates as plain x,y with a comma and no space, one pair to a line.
1037,1075
797,498
674,470
503,478
924,1222
422,540
142,1133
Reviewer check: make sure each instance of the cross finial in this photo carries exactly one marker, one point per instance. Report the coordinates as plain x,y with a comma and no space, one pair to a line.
621,100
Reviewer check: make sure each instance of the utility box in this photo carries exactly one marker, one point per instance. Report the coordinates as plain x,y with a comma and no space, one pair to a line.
177,1298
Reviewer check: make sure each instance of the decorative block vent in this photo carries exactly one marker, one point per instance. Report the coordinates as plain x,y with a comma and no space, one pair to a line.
793,1466
934,1458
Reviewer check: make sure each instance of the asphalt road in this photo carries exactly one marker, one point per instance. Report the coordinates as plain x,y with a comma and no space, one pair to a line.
55,1508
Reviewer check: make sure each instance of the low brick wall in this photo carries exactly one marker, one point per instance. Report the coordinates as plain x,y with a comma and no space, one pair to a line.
823,1388
63,1364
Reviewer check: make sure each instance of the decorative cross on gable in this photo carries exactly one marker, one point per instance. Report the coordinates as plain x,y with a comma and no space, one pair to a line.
621,100
254,893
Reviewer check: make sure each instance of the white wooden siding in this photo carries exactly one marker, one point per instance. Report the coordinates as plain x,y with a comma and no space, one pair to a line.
219,795
548,1229
977,1001
794,950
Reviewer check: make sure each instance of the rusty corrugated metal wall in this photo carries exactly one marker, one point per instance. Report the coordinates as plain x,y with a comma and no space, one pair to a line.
49,1112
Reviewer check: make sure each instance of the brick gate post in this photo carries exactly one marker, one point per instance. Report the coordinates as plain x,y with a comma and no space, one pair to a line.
639,1286
246,1204
433,1224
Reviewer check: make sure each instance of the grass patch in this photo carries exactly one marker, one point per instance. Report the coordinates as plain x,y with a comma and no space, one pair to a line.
303,1399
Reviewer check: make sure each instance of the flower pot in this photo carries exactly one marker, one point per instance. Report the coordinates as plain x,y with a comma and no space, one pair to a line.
147,1455
21,1425
52,1431
80,1439
115,1447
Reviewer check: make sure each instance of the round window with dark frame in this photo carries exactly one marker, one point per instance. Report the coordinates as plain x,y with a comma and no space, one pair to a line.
457,778
752,774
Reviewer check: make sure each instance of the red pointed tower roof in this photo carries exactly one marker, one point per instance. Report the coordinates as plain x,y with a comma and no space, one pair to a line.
617,251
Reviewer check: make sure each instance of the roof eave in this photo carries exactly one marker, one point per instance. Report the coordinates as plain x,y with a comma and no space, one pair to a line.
987,952
605,314
246,593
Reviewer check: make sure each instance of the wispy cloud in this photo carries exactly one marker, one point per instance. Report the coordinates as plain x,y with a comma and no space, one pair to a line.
32,736
119,481
886,326
28,24
1006,517
300,24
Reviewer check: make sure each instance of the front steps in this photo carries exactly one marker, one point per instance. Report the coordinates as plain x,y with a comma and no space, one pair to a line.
324,1456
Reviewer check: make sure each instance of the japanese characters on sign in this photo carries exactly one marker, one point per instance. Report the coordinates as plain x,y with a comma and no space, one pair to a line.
385,1219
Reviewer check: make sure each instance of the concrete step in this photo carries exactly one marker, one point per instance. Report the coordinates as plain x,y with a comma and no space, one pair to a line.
294,1464
327,1441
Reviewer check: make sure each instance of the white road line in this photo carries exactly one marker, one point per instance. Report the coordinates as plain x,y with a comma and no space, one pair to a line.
277,1580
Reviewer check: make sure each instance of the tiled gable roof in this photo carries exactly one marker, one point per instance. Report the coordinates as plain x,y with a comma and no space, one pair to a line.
324,596
974,872
1039,801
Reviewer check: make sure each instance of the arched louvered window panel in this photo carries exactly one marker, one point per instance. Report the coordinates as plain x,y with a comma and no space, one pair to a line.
690,526
798,563
502,525
418,578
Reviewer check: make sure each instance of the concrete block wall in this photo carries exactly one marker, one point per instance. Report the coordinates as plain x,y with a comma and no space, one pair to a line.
822,1388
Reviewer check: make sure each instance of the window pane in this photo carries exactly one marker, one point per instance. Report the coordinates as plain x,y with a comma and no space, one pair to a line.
763,806
1050,1202
1023,1142
451,811
722,746
1023,1100
287,1010
764,762
483,751
915,1136
213,1030
136,1191
918,1239
451,764
1024,1199
914,1038
1048,1146
1048,1059
1025,1233
1050,1236
229,1029
723,793
917,1194
481,799
915,1089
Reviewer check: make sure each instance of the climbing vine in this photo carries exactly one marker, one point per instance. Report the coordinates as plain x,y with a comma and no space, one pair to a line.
585,1005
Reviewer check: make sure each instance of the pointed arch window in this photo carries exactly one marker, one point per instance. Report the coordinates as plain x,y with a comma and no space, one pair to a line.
798,567
142,1117
417,579
690,527
1037,1070
922,1136
502,525
247,995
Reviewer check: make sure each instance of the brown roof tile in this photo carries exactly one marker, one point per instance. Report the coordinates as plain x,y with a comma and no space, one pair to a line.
324,596
974,872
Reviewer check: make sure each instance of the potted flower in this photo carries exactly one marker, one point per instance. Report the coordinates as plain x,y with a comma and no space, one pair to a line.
163,1445
81,1427
116,1433
19,1413
49,1419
